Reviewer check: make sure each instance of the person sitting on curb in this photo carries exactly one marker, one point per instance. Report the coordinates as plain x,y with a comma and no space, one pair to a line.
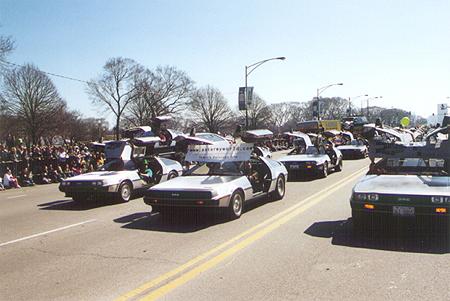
10,181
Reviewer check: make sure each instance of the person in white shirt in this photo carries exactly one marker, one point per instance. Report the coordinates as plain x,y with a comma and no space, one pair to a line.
9,181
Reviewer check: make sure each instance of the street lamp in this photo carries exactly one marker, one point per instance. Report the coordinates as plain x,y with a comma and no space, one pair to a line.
350,102
370,98
249,69
319,91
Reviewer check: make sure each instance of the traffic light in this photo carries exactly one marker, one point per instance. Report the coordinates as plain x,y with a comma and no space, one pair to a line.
315,107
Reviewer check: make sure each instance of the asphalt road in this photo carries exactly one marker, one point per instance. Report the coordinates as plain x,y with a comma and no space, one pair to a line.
299,248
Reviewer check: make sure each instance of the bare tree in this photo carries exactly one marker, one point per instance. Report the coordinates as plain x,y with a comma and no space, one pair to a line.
258,113
6,47
117,87
280,114
30,96
166,90
161,92
333,108
210,109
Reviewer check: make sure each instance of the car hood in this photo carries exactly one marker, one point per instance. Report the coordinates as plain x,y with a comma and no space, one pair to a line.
102,175
351,147
319,159
404,185
195,183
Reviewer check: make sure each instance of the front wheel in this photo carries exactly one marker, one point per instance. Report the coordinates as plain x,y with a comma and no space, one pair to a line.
124,193
171,175
280,189
236,205
324,171
339,166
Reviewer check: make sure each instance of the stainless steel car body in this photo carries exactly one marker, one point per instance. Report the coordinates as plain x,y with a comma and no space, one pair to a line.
188,191
109,180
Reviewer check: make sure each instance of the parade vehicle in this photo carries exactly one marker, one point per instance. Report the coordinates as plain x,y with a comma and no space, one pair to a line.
125,173
353,148
259,138
224,178
317,126
410,180
308,158
354,124
158,138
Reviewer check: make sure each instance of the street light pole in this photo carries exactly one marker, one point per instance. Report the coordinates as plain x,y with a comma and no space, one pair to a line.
368,103
319,91
350,102
245,97
249,69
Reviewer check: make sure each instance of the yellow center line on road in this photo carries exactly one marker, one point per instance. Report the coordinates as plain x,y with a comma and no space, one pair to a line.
275,220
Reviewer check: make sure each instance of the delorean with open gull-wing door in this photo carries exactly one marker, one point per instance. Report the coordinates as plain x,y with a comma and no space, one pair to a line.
353,148
225,177
411,179
123,173
307,158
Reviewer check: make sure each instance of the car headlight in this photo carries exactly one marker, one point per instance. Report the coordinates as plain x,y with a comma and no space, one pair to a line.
366,197
64,183
440,199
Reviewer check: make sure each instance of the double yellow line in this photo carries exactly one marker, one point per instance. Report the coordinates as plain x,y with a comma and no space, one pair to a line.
267,226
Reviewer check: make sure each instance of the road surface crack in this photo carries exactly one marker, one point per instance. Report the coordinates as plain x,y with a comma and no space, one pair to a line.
158,260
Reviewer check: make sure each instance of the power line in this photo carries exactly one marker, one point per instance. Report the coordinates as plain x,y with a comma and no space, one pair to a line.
48,73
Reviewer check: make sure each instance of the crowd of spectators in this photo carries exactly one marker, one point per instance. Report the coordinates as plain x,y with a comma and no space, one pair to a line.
22,166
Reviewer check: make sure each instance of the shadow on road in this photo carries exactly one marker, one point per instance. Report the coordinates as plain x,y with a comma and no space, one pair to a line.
183,220
179,221
302,178
400,237
70,205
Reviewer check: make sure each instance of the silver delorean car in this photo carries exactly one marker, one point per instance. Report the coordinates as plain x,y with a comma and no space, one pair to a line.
411,179
122,175
308,159
223,178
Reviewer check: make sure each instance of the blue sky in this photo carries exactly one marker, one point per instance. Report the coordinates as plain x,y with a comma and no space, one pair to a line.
397,49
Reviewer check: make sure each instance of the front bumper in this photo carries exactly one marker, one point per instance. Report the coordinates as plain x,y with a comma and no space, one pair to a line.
388,209
71,190
182,203
352,154
300,168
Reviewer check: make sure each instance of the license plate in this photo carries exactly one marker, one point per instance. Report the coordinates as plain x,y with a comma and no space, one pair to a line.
295,166
403,211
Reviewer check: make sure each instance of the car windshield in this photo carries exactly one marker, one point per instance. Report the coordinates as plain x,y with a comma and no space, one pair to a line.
210,137
410,166
217,169
357,143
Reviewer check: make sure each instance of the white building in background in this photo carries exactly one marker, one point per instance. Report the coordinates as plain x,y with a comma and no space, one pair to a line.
442,110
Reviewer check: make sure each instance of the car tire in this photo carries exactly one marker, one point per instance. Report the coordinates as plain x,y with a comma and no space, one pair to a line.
124,192
324,171
236,205
171,175
339,166
280,189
